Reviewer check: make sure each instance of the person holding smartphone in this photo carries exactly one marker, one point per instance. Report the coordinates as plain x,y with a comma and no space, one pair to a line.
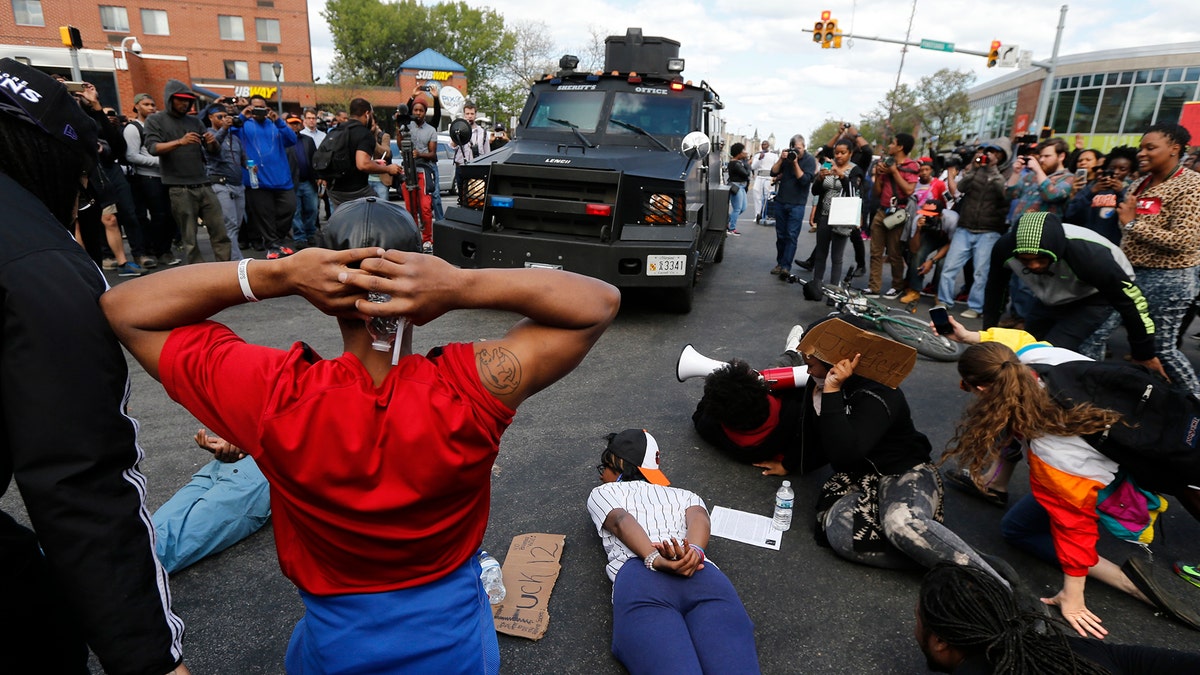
1094,205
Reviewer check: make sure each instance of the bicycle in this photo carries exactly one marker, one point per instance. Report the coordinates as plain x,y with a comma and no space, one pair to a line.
898,324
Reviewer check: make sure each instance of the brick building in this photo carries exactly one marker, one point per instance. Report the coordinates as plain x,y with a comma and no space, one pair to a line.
226,47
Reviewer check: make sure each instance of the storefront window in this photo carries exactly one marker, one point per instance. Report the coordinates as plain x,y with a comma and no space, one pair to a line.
1085,111
1062,111
1112,107
1173,98
1141,109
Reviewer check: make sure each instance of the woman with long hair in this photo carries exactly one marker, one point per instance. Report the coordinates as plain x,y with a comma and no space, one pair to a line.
1058,520
670,604
1160,220
839,178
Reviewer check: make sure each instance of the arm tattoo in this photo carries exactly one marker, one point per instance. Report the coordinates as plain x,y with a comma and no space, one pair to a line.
499,370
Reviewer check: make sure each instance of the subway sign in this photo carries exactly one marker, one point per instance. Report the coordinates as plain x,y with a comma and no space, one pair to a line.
439,75
246,91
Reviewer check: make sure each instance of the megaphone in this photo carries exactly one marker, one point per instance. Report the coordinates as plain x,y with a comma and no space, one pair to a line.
692,363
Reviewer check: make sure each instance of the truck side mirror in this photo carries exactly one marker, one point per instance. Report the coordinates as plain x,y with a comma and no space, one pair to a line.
695,145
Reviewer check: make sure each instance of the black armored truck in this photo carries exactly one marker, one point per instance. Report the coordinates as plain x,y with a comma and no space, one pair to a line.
611,174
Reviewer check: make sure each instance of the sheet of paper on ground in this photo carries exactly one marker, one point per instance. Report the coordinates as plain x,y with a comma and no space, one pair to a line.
748,528
530,570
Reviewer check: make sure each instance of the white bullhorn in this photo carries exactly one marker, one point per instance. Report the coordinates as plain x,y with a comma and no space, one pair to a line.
694,364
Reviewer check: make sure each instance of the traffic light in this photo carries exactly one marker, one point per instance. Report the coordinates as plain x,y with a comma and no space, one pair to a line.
833,38
819,32
71,37
994,54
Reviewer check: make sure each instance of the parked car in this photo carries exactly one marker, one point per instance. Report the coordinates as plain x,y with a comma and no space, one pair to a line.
445,164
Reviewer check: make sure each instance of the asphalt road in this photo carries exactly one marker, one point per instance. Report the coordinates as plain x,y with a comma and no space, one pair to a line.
813,612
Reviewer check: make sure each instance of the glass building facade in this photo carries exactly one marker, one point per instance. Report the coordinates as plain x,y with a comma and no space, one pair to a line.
1124,102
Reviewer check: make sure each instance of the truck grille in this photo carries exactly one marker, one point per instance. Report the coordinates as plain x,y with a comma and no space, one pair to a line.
553,201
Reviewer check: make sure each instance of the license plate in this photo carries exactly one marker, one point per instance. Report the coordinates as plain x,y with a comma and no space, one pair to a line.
542,266
666,265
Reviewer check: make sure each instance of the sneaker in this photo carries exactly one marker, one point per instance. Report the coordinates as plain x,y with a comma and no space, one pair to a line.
733,233
1195,336
910,295
169,259
793,339
109,264
427,247
776,270
286,251
961,480
148,262
804,264
929,290
130,269
962,296
1189,572
969,313
1160,592
860,271
891,294
274,254
870,293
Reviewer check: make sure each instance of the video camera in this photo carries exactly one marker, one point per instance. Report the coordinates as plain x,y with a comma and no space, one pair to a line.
402,117
260,111
1027,145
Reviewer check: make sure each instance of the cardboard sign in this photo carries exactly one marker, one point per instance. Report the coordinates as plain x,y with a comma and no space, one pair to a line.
530,570
886,361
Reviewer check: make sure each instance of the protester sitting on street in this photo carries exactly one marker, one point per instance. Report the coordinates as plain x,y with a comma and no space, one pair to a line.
968,623
226,501
883,506
1079,279
380,460
1058,521
670,604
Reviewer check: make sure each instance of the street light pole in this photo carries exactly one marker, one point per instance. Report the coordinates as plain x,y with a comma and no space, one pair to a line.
278,68
1048,84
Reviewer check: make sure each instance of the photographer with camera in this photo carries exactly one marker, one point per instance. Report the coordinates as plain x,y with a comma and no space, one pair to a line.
896,175
478,145
270,194
1094,205
424,151
795,170
982,208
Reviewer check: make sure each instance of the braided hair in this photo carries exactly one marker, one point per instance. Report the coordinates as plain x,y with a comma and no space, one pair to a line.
969,610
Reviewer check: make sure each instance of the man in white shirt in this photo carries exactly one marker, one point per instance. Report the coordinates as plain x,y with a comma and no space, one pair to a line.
760,168
310,127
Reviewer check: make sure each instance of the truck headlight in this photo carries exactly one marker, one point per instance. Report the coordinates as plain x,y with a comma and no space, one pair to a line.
663,208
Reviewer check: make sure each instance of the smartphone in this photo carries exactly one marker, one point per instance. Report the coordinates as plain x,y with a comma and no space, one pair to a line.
73,87
827,165
941,320
1080,176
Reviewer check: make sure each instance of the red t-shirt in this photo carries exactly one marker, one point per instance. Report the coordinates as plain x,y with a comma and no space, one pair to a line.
371,489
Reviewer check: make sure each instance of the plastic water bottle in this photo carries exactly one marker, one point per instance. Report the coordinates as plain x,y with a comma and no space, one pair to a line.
382,329
252,167
493,580
783,506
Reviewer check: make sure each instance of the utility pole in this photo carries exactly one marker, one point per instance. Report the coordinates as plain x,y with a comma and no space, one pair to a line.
903,53
1048,84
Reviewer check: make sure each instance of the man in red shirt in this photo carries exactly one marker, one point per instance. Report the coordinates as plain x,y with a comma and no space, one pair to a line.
379,473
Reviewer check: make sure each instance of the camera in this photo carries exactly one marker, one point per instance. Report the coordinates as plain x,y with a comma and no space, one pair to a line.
260,111
1027,145
888,160
845,125
402,116
981,159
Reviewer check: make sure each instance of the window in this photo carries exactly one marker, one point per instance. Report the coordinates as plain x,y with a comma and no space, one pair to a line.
154,22
1141,109
1112,106
237,70
28,13
231,27
1062,112
267,30
1085,112
114,19
1173,98
267,72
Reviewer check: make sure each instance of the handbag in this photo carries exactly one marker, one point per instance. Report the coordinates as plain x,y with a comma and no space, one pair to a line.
845,213
895,217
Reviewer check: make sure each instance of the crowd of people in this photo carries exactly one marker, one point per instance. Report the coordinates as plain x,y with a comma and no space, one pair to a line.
245,174
379,461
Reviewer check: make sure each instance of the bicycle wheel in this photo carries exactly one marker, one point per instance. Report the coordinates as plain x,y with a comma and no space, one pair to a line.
915,332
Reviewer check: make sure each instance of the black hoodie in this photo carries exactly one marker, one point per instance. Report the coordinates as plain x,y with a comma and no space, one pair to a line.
183,165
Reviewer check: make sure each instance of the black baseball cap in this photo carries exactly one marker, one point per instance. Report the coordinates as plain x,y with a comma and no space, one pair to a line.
639,448
367,221
35,98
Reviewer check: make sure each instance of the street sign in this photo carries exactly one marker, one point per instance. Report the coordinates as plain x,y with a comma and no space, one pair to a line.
1025,59
1009,55
937,46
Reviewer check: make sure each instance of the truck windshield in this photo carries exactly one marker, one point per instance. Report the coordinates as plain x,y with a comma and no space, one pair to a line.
658,115
580,108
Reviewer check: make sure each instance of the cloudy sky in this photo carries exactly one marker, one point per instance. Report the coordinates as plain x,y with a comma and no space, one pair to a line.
772,77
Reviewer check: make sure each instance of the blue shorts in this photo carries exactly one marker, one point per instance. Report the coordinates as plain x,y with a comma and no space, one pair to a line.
441,627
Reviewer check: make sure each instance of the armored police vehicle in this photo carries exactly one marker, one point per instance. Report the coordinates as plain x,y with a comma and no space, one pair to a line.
610,175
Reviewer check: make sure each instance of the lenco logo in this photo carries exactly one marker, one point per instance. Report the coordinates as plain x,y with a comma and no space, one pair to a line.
20,88
555,160
576,87
650,90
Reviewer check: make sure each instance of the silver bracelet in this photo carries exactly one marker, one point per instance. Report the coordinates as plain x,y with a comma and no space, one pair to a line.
649,560
244,280
1130,224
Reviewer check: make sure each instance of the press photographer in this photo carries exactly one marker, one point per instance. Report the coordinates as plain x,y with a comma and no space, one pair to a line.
795,170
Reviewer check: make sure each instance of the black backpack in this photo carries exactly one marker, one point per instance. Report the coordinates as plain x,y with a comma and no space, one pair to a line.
1157,439
335,158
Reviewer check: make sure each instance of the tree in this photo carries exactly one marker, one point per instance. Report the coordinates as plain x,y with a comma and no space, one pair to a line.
372,38
534,54
945,105
591,55
901,106
821,135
